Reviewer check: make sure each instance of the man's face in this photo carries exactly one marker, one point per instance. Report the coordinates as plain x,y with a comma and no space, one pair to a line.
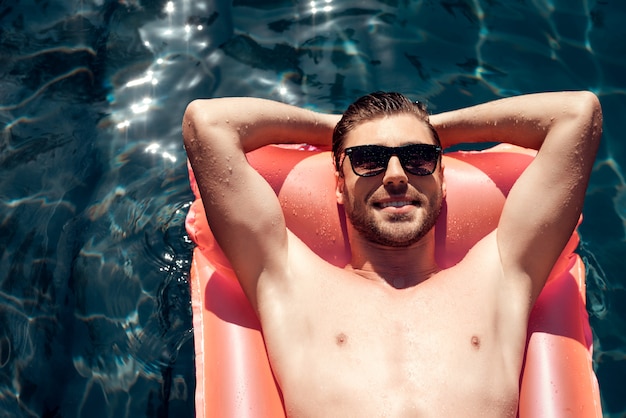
394,208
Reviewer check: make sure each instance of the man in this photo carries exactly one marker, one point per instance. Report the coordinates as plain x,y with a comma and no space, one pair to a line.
392,334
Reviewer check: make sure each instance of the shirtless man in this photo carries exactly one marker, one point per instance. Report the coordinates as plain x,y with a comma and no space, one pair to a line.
392,334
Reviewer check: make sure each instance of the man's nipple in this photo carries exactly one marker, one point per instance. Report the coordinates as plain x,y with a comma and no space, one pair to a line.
341,339
475,342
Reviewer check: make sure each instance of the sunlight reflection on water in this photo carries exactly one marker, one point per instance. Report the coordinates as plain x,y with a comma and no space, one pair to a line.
94,191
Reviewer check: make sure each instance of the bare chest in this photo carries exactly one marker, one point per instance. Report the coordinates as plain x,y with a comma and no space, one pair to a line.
360,348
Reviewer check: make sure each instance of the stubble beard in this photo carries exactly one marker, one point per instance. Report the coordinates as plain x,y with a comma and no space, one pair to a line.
398,230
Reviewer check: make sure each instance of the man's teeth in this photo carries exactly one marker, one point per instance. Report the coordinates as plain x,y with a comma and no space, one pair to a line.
396,204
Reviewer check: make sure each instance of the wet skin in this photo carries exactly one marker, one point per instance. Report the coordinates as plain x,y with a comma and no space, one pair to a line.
392,335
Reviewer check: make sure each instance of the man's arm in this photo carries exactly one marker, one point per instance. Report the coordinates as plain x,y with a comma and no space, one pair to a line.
544,206
244,213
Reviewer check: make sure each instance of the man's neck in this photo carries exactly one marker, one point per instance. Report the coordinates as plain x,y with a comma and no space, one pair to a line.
400,267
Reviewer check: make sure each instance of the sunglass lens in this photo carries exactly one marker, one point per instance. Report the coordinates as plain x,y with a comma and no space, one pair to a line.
420,160
367,161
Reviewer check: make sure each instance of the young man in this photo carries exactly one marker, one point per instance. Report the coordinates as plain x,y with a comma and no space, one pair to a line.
392,334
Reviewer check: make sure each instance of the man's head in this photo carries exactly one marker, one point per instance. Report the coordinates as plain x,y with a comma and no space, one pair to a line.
372,106
389,175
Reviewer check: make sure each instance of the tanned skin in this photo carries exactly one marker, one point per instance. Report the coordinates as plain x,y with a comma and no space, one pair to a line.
392,334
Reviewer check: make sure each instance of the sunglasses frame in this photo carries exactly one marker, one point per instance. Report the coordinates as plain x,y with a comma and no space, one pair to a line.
404,154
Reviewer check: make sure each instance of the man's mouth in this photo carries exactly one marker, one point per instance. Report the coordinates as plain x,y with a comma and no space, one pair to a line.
396,204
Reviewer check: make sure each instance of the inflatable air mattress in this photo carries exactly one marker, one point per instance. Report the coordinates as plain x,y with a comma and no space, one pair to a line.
233,374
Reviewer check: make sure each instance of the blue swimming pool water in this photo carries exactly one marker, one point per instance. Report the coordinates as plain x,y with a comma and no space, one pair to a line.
94,299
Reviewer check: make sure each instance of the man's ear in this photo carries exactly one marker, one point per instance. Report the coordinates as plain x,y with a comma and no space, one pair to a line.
340,183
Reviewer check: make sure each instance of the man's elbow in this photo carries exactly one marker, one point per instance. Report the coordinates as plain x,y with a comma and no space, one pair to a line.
590,110
192,112
193,118
596,118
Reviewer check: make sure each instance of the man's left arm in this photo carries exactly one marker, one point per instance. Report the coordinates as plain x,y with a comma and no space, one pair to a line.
544,205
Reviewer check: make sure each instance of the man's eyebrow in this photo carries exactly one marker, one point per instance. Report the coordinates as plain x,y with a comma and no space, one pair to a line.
430,141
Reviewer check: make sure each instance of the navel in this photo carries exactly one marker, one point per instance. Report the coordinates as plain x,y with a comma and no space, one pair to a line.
341,339
475,342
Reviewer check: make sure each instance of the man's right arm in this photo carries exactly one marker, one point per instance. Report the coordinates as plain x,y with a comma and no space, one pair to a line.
244,213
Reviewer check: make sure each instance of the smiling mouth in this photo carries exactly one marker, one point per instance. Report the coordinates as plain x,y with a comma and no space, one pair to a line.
396,204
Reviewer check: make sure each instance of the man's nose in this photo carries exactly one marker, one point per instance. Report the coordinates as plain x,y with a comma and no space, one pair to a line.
395,174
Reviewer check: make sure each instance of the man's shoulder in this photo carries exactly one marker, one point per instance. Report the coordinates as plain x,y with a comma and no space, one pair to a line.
482,257
304,256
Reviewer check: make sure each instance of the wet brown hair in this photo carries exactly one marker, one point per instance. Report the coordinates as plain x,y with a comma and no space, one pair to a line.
372,106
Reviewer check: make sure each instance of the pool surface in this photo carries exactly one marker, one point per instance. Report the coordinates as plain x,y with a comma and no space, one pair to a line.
95,318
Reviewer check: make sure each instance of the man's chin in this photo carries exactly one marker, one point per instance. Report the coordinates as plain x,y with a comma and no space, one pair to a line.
397,238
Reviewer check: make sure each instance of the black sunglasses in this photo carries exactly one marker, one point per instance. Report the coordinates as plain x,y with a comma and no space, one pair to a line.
372,160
